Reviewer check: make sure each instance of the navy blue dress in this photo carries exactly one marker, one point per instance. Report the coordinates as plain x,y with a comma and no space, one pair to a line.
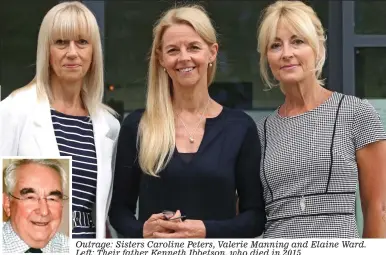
203,187
75,138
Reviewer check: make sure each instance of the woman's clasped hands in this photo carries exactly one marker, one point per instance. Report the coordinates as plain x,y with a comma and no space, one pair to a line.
169,224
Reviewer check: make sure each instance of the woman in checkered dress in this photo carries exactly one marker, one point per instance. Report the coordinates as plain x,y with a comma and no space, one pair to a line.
318,142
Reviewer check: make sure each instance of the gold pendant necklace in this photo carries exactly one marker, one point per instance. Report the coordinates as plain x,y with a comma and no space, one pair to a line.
191,135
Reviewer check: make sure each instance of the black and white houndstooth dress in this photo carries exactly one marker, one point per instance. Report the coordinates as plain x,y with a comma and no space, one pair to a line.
308,168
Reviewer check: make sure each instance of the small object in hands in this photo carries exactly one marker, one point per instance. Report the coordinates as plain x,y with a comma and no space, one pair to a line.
169,216
182,218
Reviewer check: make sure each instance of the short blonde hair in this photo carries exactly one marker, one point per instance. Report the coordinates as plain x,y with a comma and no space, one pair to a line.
70,20
156,135
303,20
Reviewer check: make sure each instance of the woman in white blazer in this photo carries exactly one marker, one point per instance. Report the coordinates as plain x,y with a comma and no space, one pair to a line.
60,113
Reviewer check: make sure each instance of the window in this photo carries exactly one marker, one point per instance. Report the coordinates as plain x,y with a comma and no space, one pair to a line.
370,72
128,38
19,42
370,17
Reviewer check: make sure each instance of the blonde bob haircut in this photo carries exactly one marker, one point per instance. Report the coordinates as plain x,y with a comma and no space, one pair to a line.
71,21
303,21
156,132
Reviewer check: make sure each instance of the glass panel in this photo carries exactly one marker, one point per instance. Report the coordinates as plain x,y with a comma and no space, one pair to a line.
128,38
370,78
236,24
370,17
370,72
19,41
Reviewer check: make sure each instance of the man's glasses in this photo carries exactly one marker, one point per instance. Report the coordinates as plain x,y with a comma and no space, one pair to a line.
33,200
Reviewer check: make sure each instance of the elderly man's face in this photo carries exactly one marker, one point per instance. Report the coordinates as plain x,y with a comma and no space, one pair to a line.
36,222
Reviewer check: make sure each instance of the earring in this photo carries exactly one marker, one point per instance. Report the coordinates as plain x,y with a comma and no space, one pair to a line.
210,64
164,69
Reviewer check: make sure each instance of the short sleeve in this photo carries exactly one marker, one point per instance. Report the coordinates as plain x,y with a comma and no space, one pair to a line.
367,126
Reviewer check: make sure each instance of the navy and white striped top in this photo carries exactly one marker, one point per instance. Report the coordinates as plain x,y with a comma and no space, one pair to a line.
75,138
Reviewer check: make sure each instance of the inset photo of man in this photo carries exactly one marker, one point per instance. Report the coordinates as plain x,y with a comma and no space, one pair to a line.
36,205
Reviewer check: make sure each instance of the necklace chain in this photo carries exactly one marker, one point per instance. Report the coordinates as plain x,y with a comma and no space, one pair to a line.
191,135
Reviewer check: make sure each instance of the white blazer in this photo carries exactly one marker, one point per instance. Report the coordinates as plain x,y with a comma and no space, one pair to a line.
26,129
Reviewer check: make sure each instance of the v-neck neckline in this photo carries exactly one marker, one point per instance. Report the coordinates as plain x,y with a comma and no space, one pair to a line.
208,136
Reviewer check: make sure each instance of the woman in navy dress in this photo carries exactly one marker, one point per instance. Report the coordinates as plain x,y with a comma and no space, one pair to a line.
186,153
